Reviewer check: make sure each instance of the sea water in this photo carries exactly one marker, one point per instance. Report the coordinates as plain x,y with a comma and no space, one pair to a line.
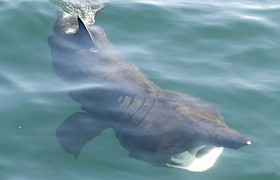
225,52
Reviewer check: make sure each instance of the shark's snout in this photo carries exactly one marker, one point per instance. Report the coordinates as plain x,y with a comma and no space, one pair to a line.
68,23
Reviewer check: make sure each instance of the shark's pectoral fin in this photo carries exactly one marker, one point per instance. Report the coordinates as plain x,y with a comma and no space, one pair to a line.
223,136
77,130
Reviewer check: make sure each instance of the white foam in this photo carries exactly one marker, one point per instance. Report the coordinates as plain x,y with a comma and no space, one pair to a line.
188,161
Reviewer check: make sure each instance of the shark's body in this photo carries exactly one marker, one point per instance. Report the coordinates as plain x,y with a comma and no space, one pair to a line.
154,124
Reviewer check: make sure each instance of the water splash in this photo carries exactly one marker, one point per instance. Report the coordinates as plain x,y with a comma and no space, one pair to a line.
85,9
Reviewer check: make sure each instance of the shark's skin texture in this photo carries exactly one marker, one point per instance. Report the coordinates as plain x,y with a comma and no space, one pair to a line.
152,123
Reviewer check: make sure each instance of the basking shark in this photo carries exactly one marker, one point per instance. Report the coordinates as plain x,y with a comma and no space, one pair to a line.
160,126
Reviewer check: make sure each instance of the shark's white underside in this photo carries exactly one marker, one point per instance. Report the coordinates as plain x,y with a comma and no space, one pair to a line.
189,161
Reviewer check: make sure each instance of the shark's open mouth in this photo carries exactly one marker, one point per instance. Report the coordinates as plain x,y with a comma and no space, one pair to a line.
84,9
198,159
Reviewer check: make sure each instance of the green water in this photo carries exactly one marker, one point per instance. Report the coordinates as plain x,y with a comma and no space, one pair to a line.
226,52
